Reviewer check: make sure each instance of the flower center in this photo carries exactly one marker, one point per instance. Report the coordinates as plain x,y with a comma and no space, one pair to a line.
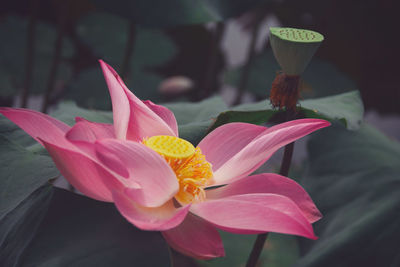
192,170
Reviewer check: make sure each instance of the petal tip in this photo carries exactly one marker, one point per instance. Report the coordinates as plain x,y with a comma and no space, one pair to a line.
325,123
78,119
317,216
106,67
218,254
310,234
313,237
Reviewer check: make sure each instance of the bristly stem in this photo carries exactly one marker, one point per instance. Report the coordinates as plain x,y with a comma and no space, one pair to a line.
256,251
284,170
130,46
56,60
244,78
30,50
171,257
287,159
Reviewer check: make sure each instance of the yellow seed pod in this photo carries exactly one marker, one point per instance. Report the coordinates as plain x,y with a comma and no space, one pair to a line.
170,146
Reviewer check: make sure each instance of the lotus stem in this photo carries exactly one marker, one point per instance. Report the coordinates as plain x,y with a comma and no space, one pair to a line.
293,49
284,171
256,251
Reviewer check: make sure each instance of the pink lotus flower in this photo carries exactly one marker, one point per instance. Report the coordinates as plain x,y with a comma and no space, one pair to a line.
161,182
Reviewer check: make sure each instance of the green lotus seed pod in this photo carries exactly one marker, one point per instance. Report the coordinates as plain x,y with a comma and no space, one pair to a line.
294,48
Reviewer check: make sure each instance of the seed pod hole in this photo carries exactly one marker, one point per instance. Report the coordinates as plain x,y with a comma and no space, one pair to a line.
297,35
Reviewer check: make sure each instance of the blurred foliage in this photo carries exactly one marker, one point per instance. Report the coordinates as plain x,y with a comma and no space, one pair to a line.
18,180
279,251
319,79
13,34
346,107
89,90
23,194
16,138
194,119
19,226
79,231
107,35
177,12
353,176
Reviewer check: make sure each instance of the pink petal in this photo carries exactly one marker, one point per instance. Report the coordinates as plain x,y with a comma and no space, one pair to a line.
156,219
133,119
165,114
196,238
144,122
38,125
83,173
88,131
120,103
253,155
157,181
270,183
255,213
230,138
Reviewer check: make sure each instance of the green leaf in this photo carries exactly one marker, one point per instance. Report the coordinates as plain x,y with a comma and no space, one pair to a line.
11,131
22,172
279,251
195,119
346,107
176,12
13,35
78,231
241,115
24,194
353,177
108,35
68,111
319,79
19,226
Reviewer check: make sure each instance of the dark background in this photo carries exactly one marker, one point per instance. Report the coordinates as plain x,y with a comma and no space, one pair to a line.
361,41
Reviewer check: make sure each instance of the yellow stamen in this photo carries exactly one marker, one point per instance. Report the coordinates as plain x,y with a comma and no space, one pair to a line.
192,170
